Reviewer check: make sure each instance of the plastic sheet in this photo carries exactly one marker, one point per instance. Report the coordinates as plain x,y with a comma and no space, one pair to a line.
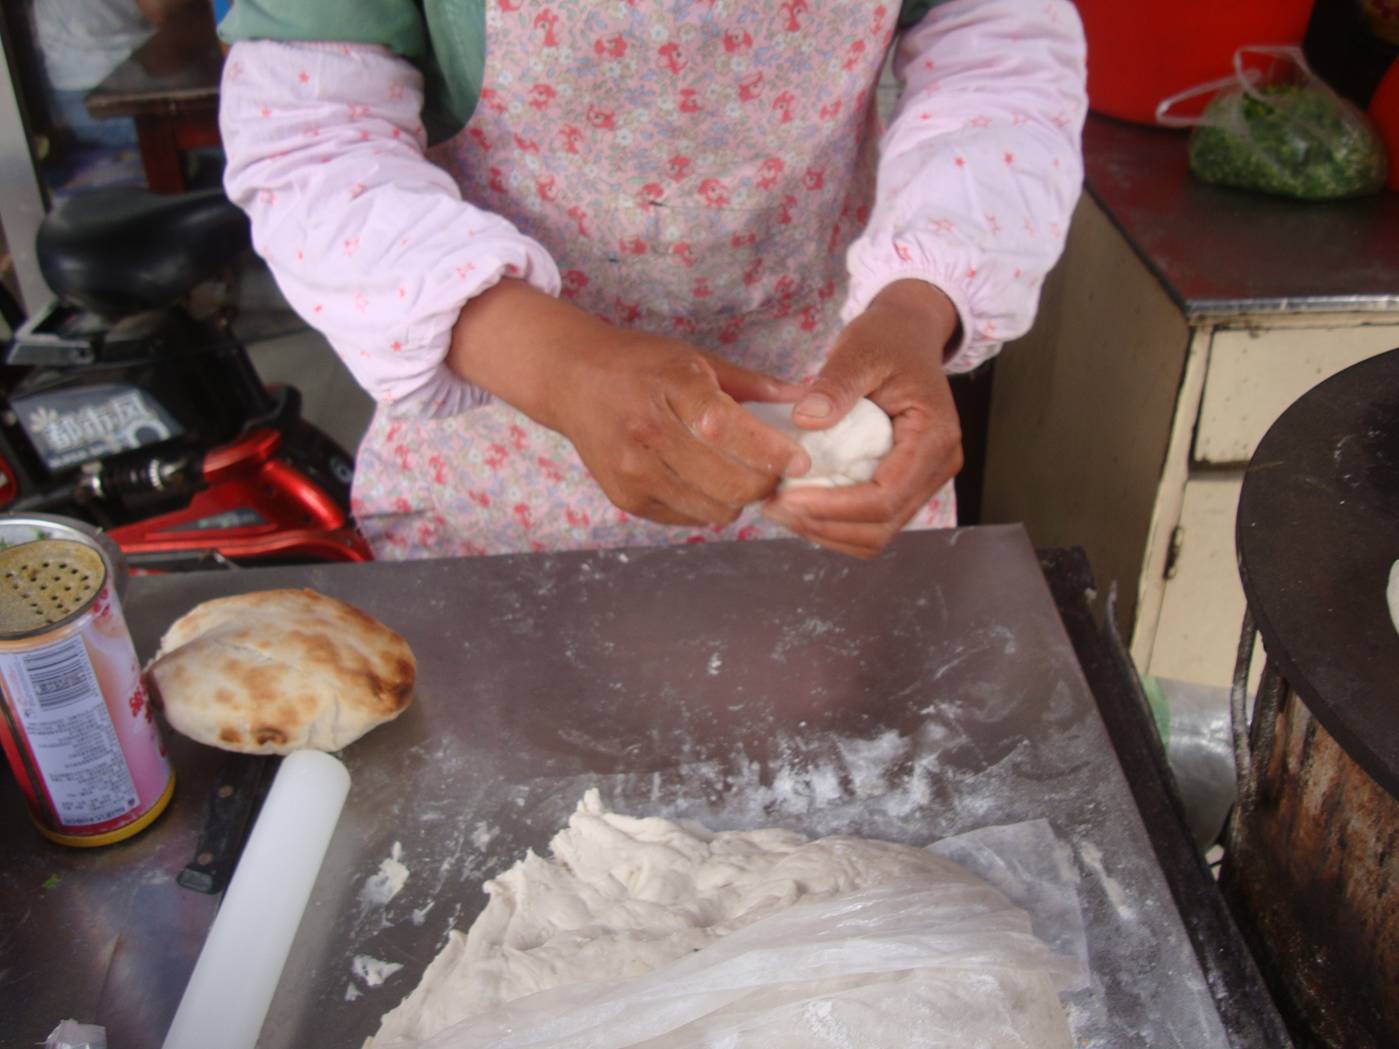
1028,864
870,969
1201,753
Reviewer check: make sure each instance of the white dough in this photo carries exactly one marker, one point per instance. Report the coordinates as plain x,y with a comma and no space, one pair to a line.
1392,594
846,454
623,896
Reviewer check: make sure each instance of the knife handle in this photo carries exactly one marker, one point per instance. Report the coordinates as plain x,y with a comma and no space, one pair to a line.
237,794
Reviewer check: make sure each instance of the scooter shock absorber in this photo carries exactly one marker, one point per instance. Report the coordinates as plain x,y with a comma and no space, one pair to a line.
109,484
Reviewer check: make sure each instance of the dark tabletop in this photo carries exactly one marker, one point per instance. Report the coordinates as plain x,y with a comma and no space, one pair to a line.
1222,252
929,692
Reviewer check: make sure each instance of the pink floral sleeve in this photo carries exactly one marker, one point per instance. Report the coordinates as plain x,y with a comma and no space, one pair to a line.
368,241
980,168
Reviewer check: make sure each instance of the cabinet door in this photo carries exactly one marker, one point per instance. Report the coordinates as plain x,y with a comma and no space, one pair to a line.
1202,607
1254,376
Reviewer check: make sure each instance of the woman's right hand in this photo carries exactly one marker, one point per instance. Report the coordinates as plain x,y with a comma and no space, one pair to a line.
655,420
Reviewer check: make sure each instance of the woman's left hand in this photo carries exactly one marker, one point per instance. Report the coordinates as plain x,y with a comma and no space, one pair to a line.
892,354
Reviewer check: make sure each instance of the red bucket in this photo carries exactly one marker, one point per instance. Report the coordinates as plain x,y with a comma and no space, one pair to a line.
1384,111
1139,54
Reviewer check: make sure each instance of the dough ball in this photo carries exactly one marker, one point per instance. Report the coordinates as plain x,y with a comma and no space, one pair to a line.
280,670
846,454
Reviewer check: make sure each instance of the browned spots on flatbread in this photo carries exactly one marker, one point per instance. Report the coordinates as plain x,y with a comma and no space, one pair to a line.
225,696
318,648
265,598
358,616
261,681
229,734
397,692
265,734
285,719
377,691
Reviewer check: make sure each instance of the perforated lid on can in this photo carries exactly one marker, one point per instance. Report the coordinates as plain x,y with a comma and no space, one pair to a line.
44,583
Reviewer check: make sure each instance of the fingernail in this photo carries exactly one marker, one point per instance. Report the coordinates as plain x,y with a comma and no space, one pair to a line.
798,466
707,424
815,406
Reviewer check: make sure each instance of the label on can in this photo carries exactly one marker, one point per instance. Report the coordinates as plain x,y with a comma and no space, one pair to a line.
60,703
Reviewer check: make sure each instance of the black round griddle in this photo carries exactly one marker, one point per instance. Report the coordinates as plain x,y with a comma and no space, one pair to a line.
1318,529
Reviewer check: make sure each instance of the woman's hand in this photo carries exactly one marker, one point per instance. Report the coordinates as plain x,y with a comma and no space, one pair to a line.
892,354
658,424
655,420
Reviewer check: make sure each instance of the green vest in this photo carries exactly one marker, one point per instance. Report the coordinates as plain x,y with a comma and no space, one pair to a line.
445,39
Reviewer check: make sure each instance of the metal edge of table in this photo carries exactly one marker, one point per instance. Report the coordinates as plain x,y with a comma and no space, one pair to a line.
1200,311
1246,1009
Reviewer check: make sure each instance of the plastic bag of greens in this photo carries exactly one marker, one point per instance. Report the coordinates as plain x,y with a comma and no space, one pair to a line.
1275,126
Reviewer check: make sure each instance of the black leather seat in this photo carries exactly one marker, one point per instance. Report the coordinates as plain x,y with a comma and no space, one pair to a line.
121,251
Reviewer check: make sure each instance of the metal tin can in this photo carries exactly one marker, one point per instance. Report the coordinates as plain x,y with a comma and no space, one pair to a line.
75,722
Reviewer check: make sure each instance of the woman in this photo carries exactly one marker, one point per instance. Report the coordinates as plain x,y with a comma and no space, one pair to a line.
635,216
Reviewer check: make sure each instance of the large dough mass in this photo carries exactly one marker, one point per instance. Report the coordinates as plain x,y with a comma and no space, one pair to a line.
848,453
623,896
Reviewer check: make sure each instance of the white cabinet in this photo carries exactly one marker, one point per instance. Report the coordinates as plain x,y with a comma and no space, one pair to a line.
1123,424
1255,373
1201,601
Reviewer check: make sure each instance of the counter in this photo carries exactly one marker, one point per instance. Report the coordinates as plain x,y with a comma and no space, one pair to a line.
932,691
1224,253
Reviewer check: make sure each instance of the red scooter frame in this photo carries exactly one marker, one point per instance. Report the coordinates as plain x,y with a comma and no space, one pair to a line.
253,505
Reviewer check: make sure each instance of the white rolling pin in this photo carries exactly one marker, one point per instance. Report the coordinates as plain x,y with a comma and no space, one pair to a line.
231,988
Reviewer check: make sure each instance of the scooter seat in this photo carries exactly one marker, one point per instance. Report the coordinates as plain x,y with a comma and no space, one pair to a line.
122,251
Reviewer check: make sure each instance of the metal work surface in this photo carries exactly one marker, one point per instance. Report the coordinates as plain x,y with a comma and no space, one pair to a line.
1223,252
1318,528
929,692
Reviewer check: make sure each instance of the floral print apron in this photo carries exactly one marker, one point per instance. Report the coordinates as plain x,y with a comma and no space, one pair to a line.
697,169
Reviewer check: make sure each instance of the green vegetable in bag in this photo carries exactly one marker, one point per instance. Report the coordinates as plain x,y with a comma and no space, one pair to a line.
1289,139
1281,130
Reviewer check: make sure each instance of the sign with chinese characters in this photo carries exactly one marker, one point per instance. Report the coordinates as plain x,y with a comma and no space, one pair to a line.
74,426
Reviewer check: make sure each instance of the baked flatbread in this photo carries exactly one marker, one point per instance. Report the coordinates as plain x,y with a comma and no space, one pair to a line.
280,670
